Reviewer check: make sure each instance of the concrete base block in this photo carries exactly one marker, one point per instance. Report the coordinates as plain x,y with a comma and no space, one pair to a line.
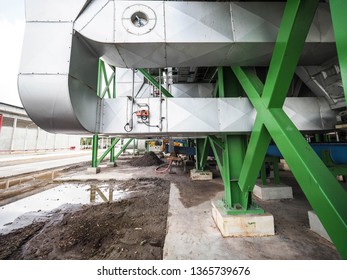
316,225
197,175
111,164
272,191
242,225
93,170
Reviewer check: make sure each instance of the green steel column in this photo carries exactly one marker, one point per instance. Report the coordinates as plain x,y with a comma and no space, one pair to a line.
233,157
95,150
202,147
234,148
99,82
338,10
112,150
114,82
199,143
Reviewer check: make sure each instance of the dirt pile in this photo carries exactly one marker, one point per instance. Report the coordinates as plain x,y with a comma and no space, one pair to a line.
148,159
132,228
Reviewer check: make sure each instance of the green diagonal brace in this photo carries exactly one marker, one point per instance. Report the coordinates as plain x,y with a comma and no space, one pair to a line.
112,150
216,154
296,22
202,148
320,187
114,142
338,10
107,88
217,141
123,148
154,82
204,154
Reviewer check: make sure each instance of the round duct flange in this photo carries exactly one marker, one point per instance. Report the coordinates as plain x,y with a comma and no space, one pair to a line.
139,19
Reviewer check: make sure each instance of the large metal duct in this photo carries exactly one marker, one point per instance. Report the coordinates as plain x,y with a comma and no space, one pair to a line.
64,40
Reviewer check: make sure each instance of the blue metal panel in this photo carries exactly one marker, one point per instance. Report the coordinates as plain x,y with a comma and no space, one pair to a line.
338,151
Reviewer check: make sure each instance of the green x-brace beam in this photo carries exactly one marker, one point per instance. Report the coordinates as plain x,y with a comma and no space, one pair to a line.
322,190
110,150
102,74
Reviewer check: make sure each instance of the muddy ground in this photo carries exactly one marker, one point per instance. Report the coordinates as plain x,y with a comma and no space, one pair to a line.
132,228
135,227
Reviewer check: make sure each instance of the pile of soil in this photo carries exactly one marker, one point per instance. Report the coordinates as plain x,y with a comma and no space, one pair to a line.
147,159
129,229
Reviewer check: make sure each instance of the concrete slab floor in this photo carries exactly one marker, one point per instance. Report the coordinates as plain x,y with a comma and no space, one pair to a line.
192,233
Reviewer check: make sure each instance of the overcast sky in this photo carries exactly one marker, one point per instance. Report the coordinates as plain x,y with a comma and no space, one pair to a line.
12,21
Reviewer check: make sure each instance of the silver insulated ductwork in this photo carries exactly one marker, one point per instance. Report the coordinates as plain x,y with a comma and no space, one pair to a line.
64,40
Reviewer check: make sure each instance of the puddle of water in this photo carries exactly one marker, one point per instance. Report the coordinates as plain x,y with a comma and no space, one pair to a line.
55,197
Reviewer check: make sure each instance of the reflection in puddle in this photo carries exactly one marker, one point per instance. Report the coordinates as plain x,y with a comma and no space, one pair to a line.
55,197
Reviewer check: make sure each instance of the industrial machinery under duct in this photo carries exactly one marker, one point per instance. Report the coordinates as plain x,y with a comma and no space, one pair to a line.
235,75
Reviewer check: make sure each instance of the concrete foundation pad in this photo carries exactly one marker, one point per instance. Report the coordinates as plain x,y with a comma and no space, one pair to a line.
111,164
197,175
316,225
243,225
93,170
272,191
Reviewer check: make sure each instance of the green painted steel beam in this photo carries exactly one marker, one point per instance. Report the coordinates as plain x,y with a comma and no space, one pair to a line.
205,150
338,10
324,193
104,74
321,188
114,142
220,82
255,155
215,91
112,150
123,148
154,82
233,157
99,83
95,150
107,87
202,147
114,82
216,154
217,141
296,22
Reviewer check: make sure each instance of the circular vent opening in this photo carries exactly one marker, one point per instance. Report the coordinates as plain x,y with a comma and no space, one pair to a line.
139,19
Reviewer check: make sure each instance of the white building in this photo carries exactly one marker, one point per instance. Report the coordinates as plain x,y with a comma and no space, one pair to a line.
18,133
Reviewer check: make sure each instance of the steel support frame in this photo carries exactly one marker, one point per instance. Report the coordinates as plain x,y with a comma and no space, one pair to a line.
321,188
230,152
123,148
109,151
102,75
96,161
